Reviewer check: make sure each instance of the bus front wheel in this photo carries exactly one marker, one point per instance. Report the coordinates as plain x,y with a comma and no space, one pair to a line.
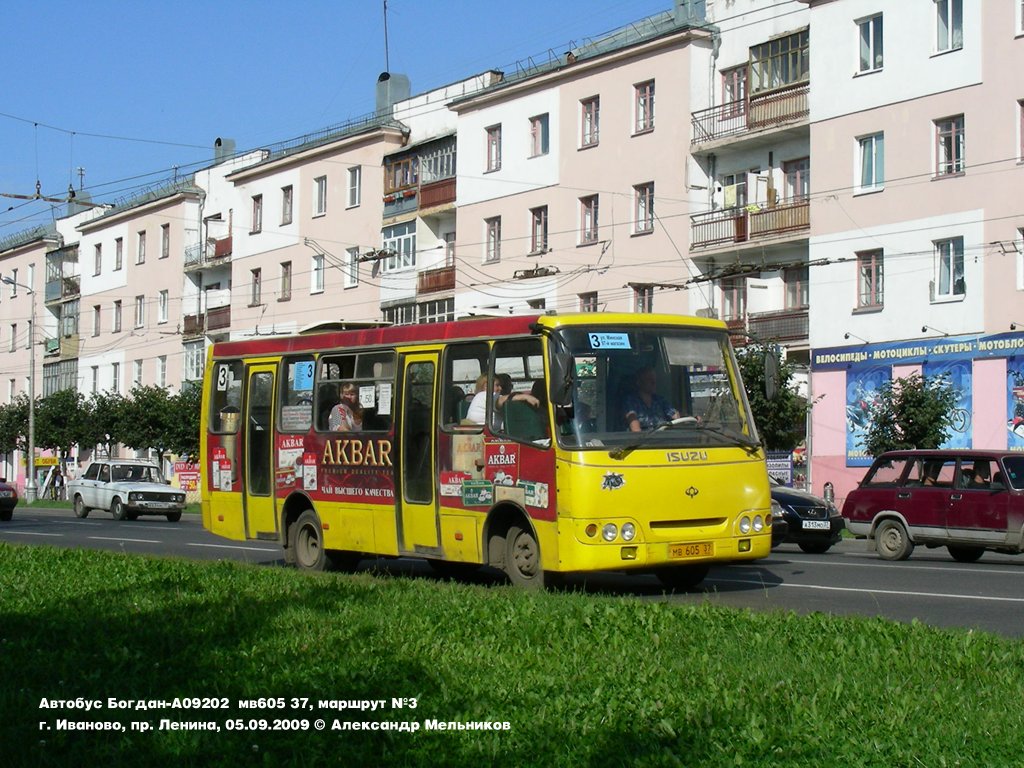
522,558
306,539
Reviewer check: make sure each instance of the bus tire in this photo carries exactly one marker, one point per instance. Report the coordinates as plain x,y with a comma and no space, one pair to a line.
306,540
682,577
80,509
522,558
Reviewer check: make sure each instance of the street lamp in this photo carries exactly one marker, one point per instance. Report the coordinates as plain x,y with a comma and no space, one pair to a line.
30,462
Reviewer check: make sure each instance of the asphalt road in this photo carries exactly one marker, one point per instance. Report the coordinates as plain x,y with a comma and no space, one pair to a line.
848,580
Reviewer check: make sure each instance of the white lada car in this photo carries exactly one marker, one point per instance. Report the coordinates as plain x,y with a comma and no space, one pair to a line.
125,488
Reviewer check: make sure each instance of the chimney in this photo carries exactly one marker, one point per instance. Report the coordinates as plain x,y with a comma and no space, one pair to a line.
391,88
223,149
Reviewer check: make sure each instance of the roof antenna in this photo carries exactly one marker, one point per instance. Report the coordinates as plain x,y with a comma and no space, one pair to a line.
387,61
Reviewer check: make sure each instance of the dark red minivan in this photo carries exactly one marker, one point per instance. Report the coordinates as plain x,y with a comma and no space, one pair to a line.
965,500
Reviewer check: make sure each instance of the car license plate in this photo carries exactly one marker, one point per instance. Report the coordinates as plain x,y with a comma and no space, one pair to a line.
6,494
685,551
816,525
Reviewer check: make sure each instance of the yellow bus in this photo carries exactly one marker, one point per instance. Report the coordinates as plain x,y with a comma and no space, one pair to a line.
509,442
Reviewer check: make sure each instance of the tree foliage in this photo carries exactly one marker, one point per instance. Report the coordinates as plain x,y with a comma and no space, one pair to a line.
59,420
912,412
14,425
780,421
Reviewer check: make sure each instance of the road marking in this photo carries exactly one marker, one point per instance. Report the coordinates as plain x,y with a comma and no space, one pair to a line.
33,533
118,538
898,593
230,546
986,568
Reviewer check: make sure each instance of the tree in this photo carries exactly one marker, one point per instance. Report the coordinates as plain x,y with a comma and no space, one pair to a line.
14,425
105,419
149,419
59,420
186,405
782,420
912,412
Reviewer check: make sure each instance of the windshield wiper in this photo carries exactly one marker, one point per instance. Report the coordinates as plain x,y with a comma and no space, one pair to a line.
735,438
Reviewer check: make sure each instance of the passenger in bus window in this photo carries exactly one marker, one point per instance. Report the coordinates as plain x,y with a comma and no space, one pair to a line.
503,393
347,415
477,412
644,407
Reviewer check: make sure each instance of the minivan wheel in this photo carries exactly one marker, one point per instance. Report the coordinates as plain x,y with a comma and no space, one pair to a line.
965,554
892,541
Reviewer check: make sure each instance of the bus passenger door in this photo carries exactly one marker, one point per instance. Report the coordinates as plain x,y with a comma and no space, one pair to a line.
258,476
418,523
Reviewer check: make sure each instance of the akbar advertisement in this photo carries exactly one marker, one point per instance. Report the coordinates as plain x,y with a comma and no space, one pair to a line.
958,374
862,386
1015,404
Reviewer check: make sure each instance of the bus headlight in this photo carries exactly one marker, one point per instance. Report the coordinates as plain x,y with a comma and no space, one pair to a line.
609,532
758,524
628,531
744,525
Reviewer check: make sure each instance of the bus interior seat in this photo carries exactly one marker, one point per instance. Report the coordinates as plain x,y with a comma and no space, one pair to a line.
523,422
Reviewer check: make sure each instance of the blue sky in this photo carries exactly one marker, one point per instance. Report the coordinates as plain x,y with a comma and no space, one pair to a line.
128,90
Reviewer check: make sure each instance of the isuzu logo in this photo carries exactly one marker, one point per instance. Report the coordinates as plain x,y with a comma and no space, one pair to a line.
677,456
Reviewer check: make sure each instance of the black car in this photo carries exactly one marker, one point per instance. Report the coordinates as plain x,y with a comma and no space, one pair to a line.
813,523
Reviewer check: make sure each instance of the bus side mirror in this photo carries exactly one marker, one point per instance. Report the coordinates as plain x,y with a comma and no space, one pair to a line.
771,375
560,388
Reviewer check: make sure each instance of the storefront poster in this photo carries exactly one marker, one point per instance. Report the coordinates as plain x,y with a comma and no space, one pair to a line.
1015,404
958,374
862,389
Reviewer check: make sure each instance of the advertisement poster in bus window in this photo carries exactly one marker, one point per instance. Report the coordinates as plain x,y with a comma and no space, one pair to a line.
1015,404
958,374
862,387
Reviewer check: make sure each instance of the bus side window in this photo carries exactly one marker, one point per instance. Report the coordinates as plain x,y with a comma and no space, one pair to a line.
463,364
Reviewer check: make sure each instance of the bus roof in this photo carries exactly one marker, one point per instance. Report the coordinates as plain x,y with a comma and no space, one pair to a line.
459,330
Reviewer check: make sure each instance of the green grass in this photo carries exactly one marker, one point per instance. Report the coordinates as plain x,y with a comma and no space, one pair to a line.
584,680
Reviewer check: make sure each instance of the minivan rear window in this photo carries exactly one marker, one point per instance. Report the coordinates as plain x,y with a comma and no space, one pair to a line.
886,474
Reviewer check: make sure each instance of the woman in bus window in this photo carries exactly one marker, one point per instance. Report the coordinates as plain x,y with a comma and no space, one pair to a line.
347,415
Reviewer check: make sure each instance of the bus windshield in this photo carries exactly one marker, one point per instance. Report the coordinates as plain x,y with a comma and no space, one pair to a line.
663,387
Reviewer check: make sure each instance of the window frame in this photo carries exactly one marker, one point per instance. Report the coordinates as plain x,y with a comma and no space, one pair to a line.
317,273
286,281
140,247
734,297
493,146
643,107
140,311
590,210
492,240
871,279
405,253
873,44
163,306
165,239
255,287
950,146
949,266
874,144
118,253
287,204
540,138
320,196
588,301
351,268
643,299
257,215
643,208
355,187
796,282
590,122
539,229
946,40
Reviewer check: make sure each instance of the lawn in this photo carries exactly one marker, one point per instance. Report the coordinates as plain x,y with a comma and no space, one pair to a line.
580,679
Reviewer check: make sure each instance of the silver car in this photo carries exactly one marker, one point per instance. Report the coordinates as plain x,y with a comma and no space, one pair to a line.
126,489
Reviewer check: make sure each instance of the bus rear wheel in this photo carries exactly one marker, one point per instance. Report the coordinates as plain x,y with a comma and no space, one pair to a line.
522,558
306,539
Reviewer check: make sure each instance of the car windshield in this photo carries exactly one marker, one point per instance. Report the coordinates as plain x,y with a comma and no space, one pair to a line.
135,473
654,387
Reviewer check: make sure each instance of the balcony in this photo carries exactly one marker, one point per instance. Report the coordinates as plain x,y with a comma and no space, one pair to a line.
213,320
741,225
433,280
783,325
757,113
218,319
438,193
214,252
62,288
65,347
400,201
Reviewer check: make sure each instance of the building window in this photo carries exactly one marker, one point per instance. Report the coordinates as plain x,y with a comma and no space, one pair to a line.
1020,124
492,250
1020,16
734,88
643,208
734,189
140,311
781,62
256,286
137,374
870,281
14,335
287,201
643,298
69,318
588,219
195,361
949,268
949,25
798,179
590,121
97,259
115,377
355,186
870,36
399,174
316,280
118,253
257,214
286,281
96,320
795,280
539,135
400,242
163,306
165,237
871,150
117,317
352,268
320,195
161,371
95,378
449,249
494,148
14,283
643,107
140,253
734,298
949,145
588,301
539,229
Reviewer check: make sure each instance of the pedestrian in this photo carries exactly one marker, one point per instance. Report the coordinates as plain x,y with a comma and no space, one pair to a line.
57,487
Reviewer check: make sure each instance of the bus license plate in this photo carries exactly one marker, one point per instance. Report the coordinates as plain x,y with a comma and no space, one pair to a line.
816,525
685,551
